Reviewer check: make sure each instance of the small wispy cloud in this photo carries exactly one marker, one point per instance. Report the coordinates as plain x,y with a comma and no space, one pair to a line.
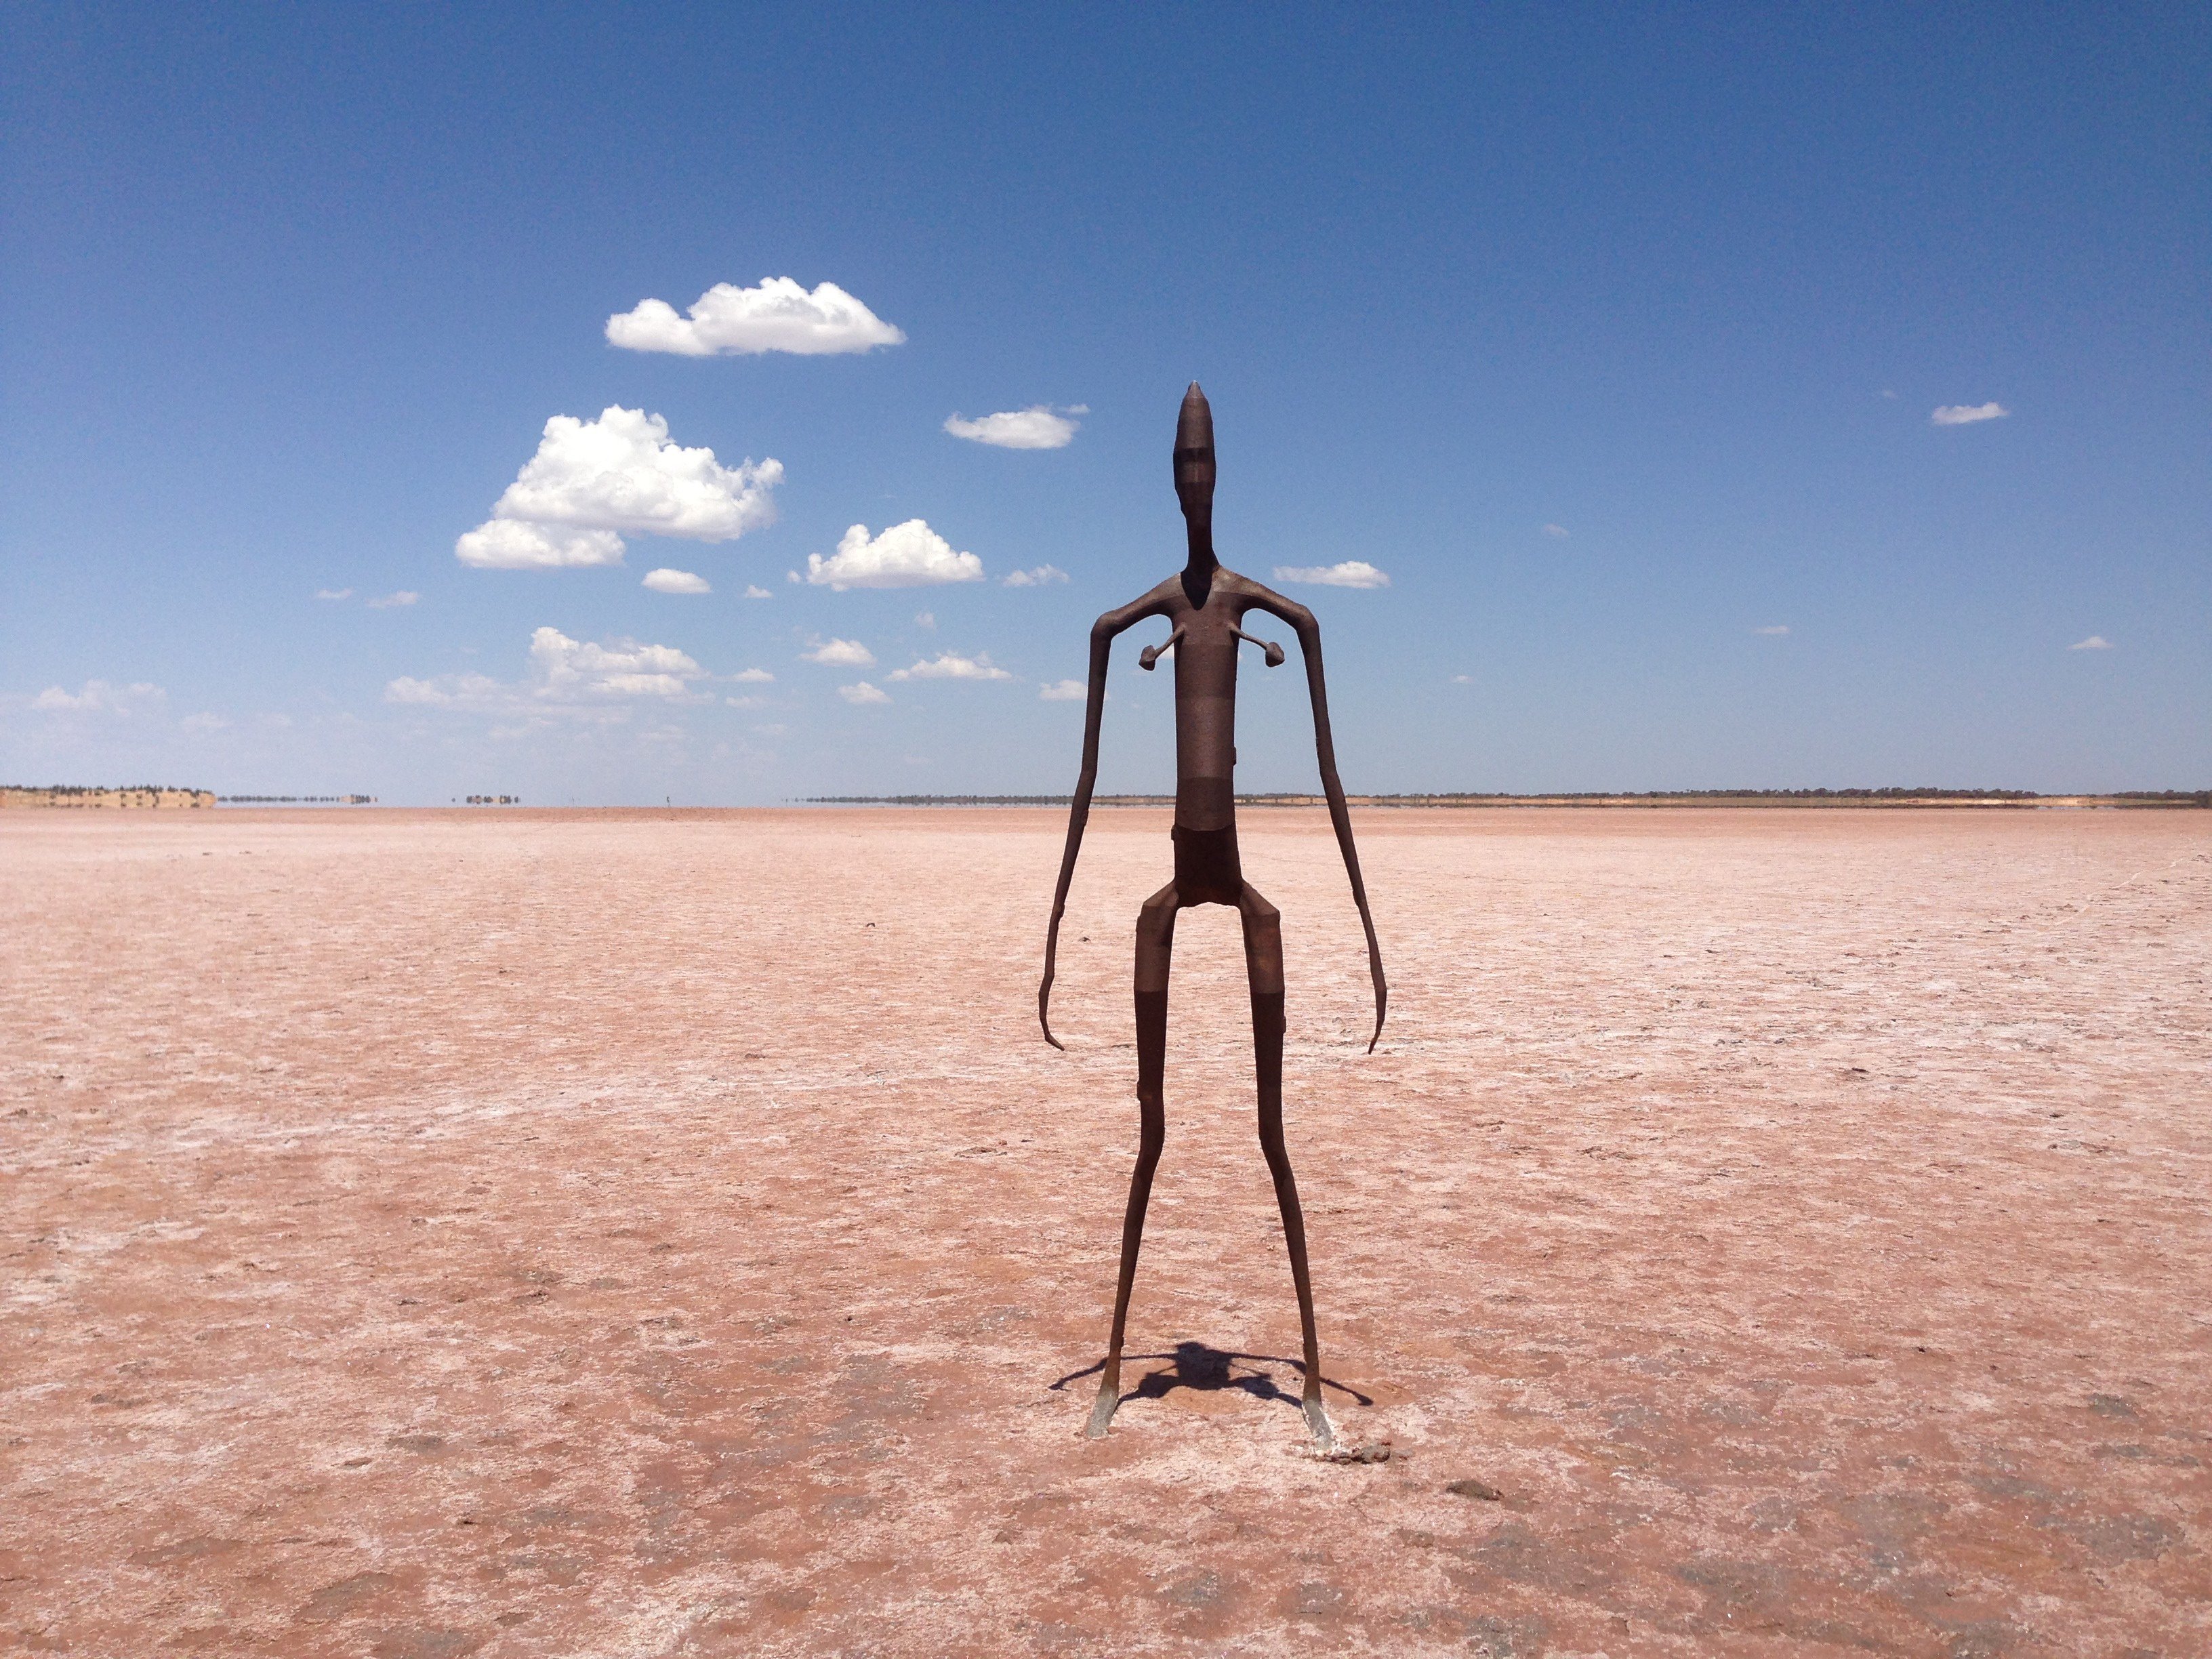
1353,572
666,580
1063,691
2094,642
1556,531
394,601
1463,679
1774,630
334,593
1038,427
101,698
752,676
862,694
951,666
1967,414
1043,575
754,591
840,653
925,619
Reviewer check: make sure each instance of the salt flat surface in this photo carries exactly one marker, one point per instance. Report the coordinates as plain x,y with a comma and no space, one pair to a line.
607,1233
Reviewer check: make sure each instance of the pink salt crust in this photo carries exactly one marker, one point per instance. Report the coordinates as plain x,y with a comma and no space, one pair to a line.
621,1233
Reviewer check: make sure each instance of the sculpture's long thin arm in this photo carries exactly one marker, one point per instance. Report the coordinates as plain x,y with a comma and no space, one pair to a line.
1078,812
1338,814
1308,633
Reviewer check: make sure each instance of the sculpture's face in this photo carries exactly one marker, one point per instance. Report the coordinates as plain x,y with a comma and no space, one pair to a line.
1193,457
1193,479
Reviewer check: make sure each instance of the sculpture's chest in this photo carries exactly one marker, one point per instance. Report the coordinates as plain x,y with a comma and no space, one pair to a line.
1206,654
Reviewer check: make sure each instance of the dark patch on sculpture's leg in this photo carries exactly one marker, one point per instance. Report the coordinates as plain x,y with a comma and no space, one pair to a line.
1263,958
1155,944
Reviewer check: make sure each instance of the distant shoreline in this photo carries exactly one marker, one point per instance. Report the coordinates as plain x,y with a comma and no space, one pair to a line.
147,798
2021,799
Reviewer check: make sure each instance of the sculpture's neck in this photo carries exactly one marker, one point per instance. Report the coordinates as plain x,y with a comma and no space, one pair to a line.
1198,574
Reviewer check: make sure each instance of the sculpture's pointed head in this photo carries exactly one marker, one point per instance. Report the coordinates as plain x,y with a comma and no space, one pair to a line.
1193,454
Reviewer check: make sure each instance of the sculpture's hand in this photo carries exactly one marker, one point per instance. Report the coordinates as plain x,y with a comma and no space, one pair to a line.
1044,987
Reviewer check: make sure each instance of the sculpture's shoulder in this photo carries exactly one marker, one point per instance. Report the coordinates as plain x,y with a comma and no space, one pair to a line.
1167,595
1159,602
1249,594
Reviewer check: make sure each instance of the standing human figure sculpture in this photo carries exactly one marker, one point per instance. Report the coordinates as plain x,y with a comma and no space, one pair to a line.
1203,605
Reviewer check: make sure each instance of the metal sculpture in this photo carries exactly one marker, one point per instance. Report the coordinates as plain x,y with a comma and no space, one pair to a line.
1203,606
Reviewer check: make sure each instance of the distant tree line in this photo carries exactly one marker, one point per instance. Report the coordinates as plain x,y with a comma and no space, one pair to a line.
1890,793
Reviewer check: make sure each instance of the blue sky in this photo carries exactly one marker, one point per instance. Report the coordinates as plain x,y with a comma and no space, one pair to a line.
1612,335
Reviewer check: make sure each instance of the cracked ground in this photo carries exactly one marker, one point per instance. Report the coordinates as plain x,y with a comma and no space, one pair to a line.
648,1233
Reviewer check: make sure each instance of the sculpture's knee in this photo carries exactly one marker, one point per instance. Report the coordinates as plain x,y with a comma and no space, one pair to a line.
1154,941
1263,943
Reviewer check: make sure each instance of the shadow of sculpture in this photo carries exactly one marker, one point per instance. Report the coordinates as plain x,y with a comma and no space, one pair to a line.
1208,1370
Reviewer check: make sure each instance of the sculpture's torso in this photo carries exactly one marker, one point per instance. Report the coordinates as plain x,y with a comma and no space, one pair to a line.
1207,864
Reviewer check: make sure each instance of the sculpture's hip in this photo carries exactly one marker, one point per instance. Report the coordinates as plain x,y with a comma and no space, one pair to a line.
1208,869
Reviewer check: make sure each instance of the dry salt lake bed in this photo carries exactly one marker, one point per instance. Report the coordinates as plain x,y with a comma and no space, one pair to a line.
648,1233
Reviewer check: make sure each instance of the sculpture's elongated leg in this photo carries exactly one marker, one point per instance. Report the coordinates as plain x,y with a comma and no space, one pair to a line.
1155,944
1263,960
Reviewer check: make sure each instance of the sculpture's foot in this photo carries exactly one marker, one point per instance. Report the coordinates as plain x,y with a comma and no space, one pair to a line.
1318,1424
1102,1409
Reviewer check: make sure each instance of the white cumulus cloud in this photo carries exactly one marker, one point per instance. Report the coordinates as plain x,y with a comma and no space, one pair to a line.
840,653
398,601
627,668
754,591
777,316
101,698
752,676
1353,572
2094,642
334,593
1038,427
504,544
862,693
664,581
1967,414
951,666
564,673
592,483
1063,691
910,554
1040,577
